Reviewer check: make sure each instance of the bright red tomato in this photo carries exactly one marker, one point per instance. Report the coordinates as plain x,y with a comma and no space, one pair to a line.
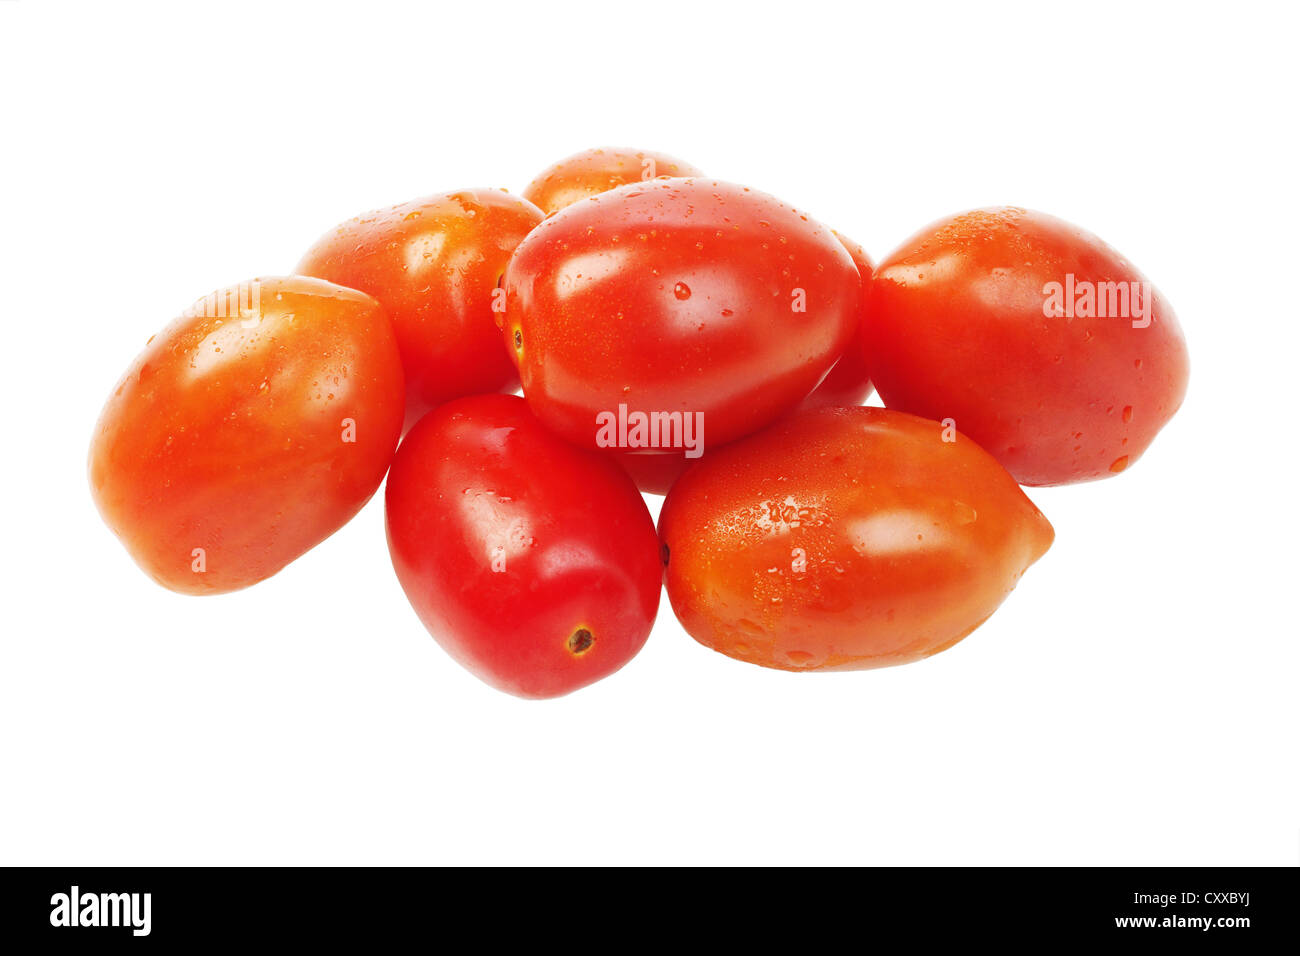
1042,343
248,431
595,171
849,381
534,563
435,264
653,472
845,538
681,303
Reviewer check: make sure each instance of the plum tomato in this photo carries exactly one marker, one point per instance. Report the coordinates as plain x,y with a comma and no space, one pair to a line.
704,309
849,381
435,264
596,171
1041,342
249,430
845,538
533,562
653,472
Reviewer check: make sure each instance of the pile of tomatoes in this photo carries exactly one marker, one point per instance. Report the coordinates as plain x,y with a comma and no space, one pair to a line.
673,334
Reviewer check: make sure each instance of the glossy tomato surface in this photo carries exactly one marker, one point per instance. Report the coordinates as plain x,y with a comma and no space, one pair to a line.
847,383
435,264
595,171
992,319
685,297
248,431
845,538
534,563
849,380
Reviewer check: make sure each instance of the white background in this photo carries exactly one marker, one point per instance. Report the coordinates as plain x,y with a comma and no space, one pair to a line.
1135,701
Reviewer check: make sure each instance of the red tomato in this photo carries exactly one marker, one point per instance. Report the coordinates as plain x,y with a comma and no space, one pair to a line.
248,431
595,171
435,264
653,472
689,298
849,381
534,563
845,538
958,327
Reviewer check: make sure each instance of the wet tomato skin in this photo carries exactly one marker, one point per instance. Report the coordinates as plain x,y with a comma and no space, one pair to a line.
956,329
236,442
849,380
678,295
595,171
845,538
534,563
847,383
435,264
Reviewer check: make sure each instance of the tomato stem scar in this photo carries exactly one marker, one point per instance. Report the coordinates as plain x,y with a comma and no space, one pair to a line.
580,641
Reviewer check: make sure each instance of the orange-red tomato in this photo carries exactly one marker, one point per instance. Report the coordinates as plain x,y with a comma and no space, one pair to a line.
845,538
534,563
1040,341
692,298
435,264
595,171
849,381
248,431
